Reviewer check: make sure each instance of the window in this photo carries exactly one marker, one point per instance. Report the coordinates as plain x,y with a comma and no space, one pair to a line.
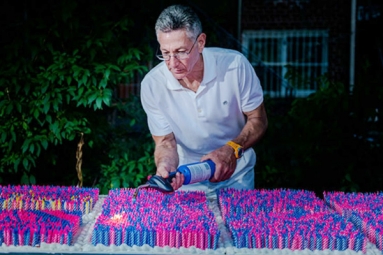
299,54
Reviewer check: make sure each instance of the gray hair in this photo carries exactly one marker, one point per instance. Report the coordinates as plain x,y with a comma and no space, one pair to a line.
178,17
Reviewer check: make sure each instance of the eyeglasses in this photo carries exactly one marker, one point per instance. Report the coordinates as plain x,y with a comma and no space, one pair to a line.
179,55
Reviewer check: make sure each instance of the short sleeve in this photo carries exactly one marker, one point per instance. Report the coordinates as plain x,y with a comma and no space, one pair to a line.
250,86
157,123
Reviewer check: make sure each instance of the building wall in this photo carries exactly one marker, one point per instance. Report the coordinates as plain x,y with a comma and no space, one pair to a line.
333,15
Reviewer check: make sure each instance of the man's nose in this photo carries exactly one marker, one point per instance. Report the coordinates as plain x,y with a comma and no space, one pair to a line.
173,61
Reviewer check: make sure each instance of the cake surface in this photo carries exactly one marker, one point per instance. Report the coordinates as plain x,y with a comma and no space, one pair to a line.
31,215
363,209
179,219
225,244
293,219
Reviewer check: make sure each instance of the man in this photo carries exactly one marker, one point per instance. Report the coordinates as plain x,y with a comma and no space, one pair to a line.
202,103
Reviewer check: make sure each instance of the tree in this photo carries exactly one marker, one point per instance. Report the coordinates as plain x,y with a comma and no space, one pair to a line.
60,66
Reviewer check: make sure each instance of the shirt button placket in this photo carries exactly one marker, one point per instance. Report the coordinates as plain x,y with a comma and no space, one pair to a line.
199,108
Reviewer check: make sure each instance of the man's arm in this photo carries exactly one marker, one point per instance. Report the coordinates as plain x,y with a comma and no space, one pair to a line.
251,133
254,129
166,158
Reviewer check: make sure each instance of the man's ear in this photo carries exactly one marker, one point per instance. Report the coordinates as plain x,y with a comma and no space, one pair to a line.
201,42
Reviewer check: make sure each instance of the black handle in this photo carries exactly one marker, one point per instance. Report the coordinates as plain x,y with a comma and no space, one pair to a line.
162,184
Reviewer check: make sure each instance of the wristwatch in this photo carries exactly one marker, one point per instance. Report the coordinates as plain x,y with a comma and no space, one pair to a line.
238,150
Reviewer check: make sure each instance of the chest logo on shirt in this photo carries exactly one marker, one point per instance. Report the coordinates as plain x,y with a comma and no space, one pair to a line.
224,103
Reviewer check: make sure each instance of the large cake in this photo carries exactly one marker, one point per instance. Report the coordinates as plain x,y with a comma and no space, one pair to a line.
236,222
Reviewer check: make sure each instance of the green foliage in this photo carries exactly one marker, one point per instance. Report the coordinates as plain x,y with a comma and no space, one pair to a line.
57,68
330,140
130,149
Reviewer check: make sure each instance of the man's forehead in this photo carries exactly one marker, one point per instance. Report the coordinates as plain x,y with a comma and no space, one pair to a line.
173,33
177,37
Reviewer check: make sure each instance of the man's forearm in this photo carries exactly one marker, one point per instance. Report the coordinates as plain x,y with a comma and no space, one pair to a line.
165,153
251,133
254,128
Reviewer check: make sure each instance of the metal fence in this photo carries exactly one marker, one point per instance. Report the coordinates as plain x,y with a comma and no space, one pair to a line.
288,62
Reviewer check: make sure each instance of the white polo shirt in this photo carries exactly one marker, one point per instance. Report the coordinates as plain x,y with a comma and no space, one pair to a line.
205,120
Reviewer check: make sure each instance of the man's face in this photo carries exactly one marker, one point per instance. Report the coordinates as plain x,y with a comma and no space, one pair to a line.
175,42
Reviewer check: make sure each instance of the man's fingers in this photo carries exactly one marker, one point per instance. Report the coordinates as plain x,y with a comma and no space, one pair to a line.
178,181
162,172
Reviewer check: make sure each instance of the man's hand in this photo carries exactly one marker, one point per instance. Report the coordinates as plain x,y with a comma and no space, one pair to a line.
176,182
225,163
166,158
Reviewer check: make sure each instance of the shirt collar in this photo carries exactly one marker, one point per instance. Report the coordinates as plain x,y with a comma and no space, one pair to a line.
210,66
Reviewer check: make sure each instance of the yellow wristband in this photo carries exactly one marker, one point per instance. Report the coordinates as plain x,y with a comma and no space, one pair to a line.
238,150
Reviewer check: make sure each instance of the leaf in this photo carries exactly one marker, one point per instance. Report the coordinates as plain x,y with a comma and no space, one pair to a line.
48,118
80,91
106,74
26,163
71,90
44,143
115,182
9,109
99,68
84,79
54,127
132,166
125,183
32,179
69,80
3,137
67,98
13,134
76,70
107,93
32,161
92,97
106,99
24,179
99,102
3,103
88,43
142,159
120,60
32,148
18,107
25,145
114,67
94,81
44,89
36,113
46,108
103,83
140,176
38,148
137,54
16,164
